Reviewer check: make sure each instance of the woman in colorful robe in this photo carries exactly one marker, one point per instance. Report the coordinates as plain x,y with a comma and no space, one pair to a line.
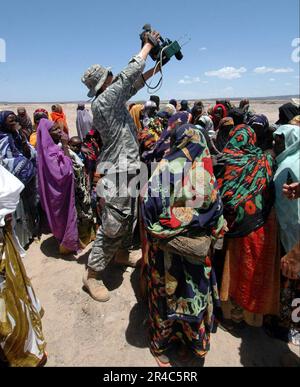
181,292
251,277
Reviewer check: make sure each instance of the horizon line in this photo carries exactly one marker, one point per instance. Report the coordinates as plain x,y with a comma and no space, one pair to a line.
162,101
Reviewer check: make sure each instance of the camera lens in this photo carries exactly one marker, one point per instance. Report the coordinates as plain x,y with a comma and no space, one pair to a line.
179,55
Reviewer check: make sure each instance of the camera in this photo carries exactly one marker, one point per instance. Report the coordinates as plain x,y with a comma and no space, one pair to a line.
163,49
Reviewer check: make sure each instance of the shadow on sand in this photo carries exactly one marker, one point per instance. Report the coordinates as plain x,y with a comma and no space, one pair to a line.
257,349
137,330
50,249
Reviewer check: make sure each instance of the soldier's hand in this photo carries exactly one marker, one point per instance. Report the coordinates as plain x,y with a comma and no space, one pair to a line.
152,38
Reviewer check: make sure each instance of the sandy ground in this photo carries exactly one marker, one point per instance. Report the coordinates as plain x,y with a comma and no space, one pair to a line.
81,332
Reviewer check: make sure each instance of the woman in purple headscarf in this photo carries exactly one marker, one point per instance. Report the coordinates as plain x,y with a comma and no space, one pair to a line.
84,121
56,186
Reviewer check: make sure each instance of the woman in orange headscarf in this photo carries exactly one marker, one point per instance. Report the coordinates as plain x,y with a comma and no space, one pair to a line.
59,116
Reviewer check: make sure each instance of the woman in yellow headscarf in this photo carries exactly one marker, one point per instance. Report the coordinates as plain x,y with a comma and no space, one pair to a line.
135,113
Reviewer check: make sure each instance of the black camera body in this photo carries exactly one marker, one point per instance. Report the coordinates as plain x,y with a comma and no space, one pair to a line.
164,49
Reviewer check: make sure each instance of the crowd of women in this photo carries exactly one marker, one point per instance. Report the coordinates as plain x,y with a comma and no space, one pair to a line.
231,259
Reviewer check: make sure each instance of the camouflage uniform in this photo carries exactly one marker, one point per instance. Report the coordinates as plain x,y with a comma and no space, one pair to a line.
121,150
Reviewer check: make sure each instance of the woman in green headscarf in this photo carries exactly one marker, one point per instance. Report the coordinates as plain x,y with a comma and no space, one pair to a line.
250,283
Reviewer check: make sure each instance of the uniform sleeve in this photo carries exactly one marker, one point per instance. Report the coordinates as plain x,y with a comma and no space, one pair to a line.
126,84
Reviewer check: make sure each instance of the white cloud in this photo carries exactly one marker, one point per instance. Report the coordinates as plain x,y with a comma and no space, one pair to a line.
227,73
203,48
272,79
187,80
266,70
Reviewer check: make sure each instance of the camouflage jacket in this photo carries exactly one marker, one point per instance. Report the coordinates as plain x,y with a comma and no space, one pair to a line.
120,150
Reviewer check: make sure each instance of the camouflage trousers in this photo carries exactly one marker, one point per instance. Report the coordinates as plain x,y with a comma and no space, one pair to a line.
118,221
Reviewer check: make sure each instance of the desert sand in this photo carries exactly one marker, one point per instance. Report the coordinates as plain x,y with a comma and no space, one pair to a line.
82,332
268,107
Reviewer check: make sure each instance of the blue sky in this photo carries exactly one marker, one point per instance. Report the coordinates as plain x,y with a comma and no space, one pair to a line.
237,48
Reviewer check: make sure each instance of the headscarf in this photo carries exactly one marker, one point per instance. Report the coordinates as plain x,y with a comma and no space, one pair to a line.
56,188
191,201
197,111
260,124
287,112
206,123
180,117
39,114
92,142
288,211
244,104
169,109
84,122
60,117
162,146
155,127
3,117
245,183
259,120
12,157
173,102
156,99
135,113
225,127
225,102
148,112
219,112
81,106
247,109
25,123
238,116
184,106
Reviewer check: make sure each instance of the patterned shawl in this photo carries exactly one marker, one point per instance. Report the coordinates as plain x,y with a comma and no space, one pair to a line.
190,200
26,123
245,183
162,146
12,158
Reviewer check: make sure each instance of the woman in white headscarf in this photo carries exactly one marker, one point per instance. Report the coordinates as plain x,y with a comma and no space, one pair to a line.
84,121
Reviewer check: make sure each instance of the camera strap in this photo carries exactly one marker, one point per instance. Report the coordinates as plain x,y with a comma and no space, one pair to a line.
158,85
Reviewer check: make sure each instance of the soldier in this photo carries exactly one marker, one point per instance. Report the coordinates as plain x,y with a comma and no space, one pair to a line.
118,165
